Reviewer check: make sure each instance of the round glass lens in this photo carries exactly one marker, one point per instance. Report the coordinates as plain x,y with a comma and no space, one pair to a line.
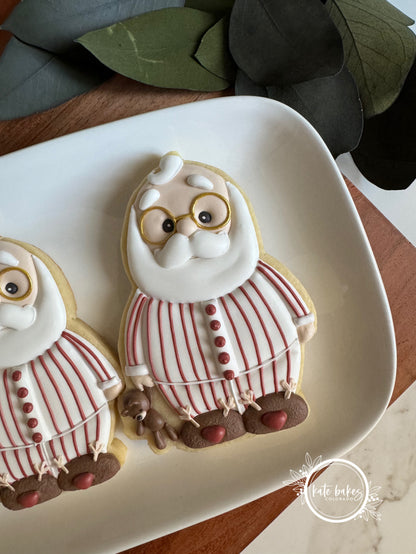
210,211
15,283
157,225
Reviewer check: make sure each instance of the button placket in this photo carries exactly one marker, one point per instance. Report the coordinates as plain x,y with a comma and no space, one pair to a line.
32,423
37,437
23,394
221,344
222,348
27,407
17,375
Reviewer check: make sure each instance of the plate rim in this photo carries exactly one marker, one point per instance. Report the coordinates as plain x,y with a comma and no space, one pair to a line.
245,498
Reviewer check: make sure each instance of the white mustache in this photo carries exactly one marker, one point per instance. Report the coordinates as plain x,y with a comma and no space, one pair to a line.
202,244
16,317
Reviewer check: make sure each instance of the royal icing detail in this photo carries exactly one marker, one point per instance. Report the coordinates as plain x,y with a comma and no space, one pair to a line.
215,332
191,282
149,198
288,387
5,481
169,167
247,398
52,384
200,182
48,320
6,258
227,405
185,415
17,317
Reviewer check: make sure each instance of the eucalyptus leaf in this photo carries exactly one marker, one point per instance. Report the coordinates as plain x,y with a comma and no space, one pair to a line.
279,42
386,155
213,51
379,48
32,80
330,104
213,6
54,24
157,48
244,86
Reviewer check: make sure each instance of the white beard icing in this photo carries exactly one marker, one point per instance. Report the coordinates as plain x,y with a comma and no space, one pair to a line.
202,244
21,346
198,279
16,317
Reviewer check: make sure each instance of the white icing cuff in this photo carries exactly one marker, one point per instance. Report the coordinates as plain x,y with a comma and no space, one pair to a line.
136,370
304,320
103,385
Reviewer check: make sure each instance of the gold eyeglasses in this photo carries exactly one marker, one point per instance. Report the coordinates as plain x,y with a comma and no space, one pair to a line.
209,211
15,284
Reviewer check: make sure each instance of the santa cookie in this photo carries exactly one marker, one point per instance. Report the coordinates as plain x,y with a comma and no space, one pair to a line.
213,322
57,378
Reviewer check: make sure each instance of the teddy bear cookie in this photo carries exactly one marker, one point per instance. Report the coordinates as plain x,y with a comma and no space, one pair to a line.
213,322
57,379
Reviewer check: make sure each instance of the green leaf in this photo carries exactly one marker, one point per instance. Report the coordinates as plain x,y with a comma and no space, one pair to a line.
379,48
386,155
278,42
32,80
244,86
331,104
212,6
213,51
54,24
157,48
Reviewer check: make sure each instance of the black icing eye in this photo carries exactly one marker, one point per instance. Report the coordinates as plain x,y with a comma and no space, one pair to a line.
168,225
11,288
204,217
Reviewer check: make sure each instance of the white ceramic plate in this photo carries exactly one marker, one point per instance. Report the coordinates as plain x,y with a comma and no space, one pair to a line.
68,197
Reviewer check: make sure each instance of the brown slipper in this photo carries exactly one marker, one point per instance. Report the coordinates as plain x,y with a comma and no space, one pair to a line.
213,428
84,472
277,412
29,492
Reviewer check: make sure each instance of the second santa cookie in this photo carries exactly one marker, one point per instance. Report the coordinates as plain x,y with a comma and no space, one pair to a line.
58,380
214,326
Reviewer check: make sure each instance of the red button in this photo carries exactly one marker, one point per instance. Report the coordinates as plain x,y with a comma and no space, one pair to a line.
27,407
210,309
220,342
22,392
32,422
16,375
215,325
229,374
223,358
37,437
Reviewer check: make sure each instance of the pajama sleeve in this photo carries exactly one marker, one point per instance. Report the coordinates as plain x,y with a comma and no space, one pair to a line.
301,314
135,357
106,374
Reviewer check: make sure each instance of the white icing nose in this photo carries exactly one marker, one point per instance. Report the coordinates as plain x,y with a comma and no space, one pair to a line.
186,226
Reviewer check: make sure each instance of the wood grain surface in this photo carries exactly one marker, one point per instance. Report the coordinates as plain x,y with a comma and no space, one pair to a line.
396,257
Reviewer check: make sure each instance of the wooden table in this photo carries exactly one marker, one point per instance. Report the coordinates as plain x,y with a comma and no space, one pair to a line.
396,258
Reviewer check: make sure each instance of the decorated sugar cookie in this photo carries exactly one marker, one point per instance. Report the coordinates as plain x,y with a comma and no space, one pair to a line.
57,378
213,322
